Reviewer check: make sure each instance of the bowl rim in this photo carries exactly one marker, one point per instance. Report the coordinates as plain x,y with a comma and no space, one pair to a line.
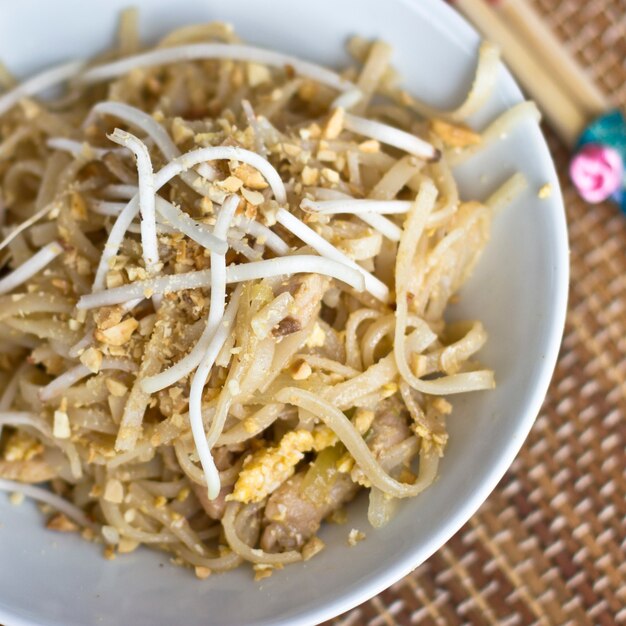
441,12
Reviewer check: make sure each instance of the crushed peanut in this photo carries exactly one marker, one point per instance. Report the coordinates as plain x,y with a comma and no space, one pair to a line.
61,523
545,191
334,125
329,175
91,358
317,338
230,184
61,425
116,388
253,197
108,316
202,572
257,74
355,536
312,547
261,571
16,498
301,371
126,546
251,177
119,334
114,491
310,175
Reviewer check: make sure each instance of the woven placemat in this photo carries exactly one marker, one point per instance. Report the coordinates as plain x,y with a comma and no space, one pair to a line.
548,546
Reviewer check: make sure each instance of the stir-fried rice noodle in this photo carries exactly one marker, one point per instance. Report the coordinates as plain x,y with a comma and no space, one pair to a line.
224,278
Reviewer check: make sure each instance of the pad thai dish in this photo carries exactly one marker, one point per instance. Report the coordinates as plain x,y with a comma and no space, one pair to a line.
224,279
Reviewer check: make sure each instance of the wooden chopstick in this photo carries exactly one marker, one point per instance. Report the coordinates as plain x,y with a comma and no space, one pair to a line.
546,46
565,115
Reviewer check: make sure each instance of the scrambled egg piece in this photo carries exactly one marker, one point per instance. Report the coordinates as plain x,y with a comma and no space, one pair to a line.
323,437
268,468
21,447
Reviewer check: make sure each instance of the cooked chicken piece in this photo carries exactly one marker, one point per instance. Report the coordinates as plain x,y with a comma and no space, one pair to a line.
390,427
294,519
307,290
32,471
213,508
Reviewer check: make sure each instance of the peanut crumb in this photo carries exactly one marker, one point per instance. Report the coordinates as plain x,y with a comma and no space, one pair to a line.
126,546
231,184
253,197
312,547
114,278
301,371
61,523
334,125
252,178
109,553
202,572
114,491
355,536
61,425
310,175
110,535
16,498
317,338
330,175
370,146
257,74
108,316
115,387
262,571
91,358
545,191
119,334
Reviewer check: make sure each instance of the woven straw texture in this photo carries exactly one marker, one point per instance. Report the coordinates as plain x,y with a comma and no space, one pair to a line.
548,546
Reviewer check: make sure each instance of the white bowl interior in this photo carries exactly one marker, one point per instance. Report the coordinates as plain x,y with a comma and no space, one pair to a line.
518,291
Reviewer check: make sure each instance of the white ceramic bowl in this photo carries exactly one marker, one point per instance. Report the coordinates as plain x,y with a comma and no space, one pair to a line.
519,291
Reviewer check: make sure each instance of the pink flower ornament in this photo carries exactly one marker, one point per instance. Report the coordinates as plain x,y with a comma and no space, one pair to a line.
597,172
